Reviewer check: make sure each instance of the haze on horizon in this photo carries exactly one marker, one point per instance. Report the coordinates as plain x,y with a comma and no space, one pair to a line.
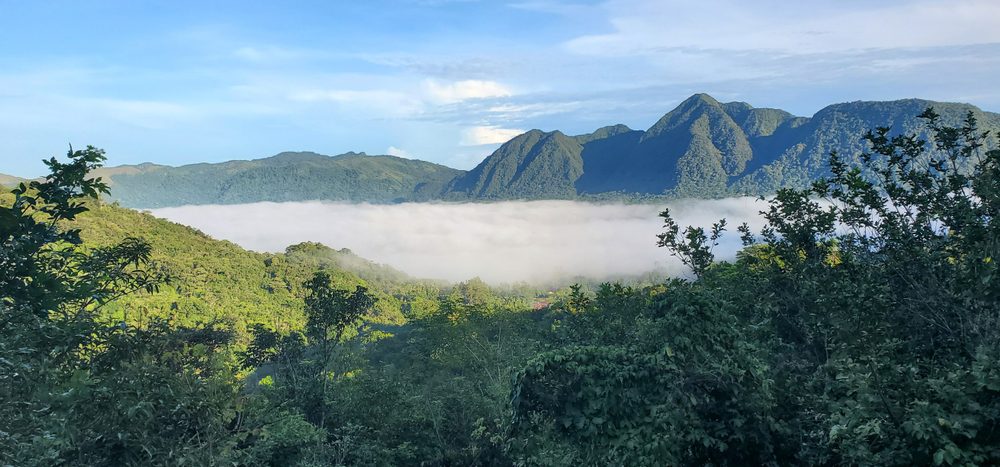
448,80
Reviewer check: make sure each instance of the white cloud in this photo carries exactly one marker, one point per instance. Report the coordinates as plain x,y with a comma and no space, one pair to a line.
458,91
481,135
394,151
402,100
345,95
520,111
649,26
266,54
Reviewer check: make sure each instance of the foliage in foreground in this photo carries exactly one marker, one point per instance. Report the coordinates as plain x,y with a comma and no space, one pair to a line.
76,389
860,326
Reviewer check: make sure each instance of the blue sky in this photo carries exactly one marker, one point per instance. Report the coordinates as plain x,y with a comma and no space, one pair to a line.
179,82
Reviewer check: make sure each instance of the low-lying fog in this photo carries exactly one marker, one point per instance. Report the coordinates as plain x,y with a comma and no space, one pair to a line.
498,242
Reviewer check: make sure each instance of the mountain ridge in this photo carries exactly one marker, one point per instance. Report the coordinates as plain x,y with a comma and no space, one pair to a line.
701,148
705,148
287,176
9,180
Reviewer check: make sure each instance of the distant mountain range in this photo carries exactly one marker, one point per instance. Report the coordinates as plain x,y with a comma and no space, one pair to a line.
703,148
9,180
289,176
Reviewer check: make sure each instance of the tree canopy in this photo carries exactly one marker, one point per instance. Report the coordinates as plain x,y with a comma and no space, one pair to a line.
860,326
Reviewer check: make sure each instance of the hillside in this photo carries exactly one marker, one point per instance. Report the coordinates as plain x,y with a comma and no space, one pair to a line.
534,165
289,176
212,279
9,180
702,148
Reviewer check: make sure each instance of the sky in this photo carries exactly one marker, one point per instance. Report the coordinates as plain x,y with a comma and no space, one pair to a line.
179,82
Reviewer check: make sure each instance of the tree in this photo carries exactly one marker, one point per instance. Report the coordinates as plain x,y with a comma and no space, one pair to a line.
860,326
691,246
75,389
330,312
44,268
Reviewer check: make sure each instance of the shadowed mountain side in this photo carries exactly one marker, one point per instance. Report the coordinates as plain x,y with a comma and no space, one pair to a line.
701,149
602,161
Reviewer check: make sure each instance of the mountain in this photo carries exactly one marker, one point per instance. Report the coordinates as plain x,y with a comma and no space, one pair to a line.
9,180
534,165
702,148
289,176
799,149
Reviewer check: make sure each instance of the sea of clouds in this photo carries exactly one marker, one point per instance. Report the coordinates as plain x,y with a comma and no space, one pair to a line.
500,242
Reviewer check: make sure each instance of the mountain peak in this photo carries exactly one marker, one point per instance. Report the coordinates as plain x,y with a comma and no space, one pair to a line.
534,136
737,107
700,98
602,133
295,156
687,112
534,164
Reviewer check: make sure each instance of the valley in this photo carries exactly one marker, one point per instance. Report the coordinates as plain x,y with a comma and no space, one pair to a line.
544,243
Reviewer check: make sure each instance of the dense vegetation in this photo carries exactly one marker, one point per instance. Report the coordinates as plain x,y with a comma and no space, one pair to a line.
211,280
534,165
860,326
701,149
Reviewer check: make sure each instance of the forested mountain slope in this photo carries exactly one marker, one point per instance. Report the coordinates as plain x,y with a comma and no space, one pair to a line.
702,148
535,165
289,176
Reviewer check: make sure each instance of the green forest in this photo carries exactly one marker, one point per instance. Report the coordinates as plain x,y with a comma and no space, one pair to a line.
860,326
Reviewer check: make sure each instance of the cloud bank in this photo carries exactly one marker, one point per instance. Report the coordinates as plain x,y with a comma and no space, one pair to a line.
449,93
502,242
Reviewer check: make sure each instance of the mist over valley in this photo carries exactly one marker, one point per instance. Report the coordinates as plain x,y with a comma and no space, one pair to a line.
503,242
